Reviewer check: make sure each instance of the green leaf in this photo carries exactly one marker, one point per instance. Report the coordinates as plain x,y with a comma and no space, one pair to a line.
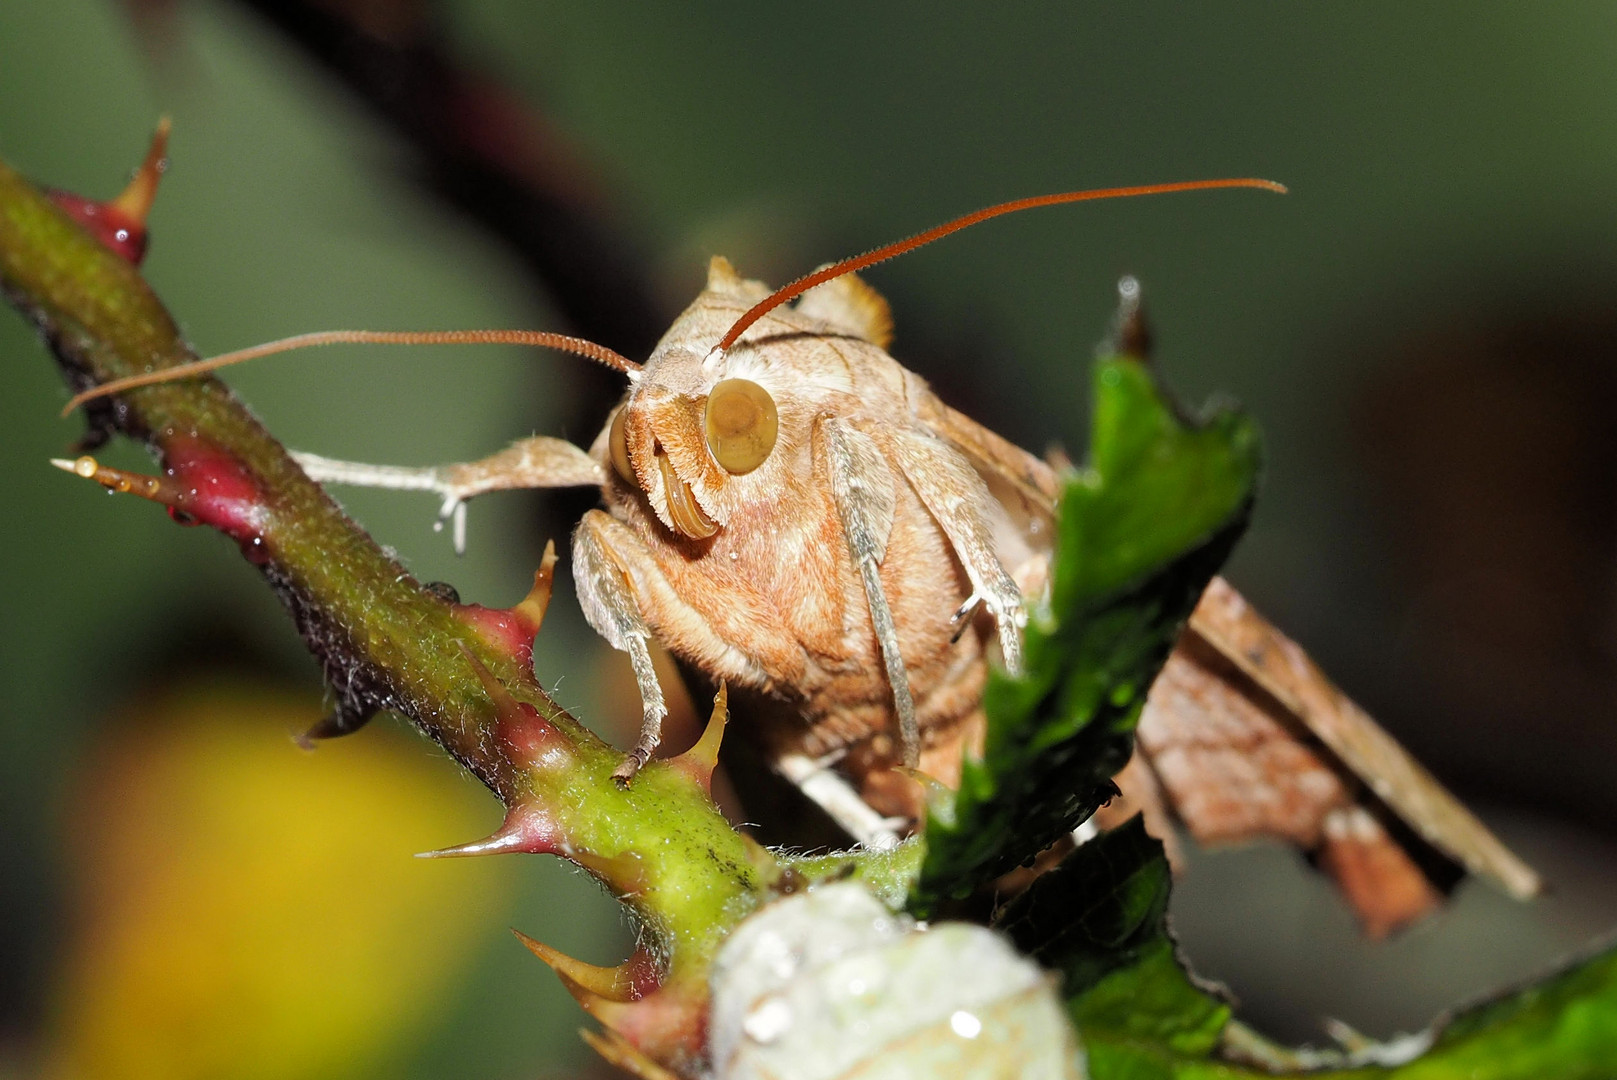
1563,1027
1141,530
1099,920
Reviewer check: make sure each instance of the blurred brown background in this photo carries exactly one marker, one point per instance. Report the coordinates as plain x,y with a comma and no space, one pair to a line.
1426,328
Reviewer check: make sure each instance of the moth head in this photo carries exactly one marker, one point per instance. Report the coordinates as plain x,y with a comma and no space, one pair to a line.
691,452
704,442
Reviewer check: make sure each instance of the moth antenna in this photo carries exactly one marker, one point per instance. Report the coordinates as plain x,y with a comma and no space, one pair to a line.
938,232
539,338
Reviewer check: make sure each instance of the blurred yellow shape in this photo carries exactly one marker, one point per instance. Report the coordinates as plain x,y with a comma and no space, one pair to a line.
247,909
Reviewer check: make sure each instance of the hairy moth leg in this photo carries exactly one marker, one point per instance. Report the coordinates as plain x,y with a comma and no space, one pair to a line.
628,599
609,607
538,462
862,487
958,500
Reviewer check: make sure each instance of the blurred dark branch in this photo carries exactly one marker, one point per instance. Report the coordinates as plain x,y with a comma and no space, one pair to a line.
487,152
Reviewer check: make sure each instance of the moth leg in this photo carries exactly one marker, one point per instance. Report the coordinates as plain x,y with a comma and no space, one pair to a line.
958,500
538,462
627,599
609,607
841,803
862,487
961,619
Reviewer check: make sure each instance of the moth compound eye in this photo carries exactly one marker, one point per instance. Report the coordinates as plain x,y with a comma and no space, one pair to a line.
741,425
617,442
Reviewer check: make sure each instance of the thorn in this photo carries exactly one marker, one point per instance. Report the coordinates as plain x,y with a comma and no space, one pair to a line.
531,610
156,488
668,1024
699,761
494,844
615,1016
612,983
135,201
84,466
202,486
616,1050
513,629
504,703
523,830
120,225
334,726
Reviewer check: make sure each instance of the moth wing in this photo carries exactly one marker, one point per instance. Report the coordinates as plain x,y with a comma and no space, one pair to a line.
1235,766
723,279
1034,480
1279,668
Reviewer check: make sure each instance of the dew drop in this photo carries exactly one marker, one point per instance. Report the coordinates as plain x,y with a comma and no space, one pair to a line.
768,1021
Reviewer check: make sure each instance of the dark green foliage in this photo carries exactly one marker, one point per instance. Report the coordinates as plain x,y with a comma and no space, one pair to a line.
1098,919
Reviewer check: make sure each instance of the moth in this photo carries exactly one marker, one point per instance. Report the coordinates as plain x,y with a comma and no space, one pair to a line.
790,510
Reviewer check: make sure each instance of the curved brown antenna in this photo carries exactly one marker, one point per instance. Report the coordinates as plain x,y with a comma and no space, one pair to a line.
540,338
937,232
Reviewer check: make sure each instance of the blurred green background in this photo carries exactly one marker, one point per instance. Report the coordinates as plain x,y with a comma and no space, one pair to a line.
1426,328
